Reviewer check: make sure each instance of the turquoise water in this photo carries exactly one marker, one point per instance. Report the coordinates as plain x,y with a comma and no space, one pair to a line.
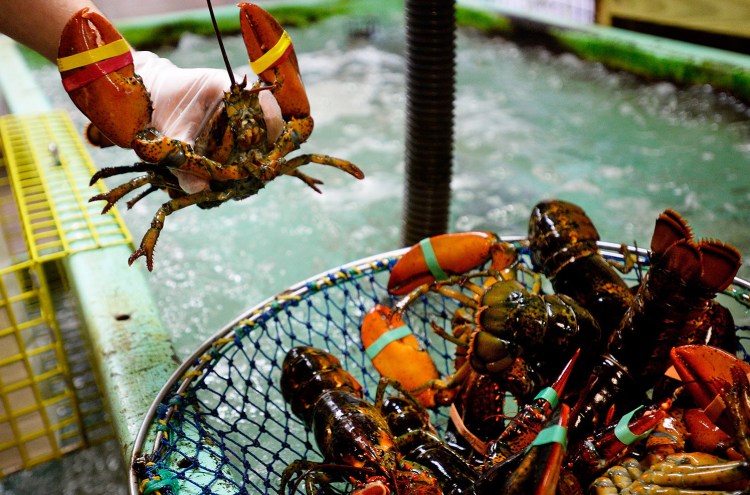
529,125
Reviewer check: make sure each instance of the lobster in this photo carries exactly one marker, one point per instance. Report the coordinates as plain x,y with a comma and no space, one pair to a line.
233,157
562,241
673,306
506,321
351,433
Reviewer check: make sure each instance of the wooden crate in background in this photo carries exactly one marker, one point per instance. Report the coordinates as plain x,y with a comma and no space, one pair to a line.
718,23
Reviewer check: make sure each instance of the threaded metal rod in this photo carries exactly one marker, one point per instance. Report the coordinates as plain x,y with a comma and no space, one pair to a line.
430,89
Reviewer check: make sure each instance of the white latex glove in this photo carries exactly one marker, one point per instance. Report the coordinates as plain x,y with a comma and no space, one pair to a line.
184,99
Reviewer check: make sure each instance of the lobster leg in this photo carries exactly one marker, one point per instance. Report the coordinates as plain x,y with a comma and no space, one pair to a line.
148,243
114,195
124,169
273,59
290,166
96,66
312,182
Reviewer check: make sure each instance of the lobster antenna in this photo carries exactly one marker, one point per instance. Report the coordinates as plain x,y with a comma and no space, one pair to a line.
221,44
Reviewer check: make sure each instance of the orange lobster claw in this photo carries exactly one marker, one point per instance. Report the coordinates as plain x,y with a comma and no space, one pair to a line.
96,65
706,372
395,353
448,254
705,436
273,59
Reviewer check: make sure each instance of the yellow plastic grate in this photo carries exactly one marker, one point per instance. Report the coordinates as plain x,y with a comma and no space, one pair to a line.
44,217
49,171
39,414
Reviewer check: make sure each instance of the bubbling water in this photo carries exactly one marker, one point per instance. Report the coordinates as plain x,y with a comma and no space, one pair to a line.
529,125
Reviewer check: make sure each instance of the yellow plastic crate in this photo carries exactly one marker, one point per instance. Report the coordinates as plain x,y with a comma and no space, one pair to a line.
45,409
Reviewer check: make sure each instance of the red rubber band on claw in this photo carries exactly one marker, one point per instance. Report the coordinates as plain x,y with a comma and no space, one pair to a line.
84,76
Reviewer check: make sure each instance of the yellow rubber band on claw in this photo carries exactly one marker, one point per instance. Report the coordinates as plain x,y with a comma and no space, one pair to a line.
272,56
93,56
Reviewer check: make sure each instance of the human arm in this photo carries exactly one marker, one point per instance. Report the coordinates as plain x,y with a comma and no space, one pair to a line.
38,23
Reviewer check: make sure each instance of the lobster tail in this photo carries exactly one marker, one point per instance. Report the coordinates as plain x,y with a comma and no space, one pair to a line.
670,227
720,264
683,258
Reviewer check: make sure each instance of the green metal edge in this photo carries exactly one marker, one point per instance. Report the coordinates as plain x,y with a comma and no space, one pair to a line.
159,30
650,57
133,353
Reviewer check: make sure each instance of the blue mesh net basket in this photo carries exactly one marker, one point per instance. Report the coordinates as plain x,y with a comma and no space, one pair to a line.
220,426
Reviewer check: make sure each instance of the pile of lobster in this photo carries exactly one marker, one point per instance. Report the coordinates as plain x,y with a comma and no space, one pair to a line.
618,389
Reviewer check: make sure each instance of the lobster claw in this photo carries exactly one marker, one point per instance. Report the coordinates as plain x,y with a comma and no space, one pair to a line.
443,255
96,65
539,471
395,353
706,372
527,424
273,59
607,445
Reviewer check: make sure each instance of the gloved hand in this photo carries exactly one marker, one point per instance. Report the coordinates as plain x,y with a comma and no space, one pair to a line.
185,99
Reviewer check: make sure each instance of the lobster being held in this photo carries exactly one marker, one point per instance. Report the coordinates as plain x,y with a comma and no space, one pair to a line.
233,157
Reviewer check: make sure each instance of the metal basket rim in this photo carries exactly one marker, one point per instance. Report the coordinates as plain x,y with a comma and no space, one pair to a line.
296,291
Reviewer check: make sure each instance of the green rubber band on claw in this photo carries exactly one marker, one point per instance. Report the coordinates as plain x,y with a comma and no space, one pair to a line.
550,395
622,430
168,479
431,259
551,434
385,339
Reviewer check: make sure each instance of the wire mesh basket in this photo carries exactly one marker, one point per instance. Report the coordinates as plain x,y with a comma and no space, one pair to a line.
221,425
